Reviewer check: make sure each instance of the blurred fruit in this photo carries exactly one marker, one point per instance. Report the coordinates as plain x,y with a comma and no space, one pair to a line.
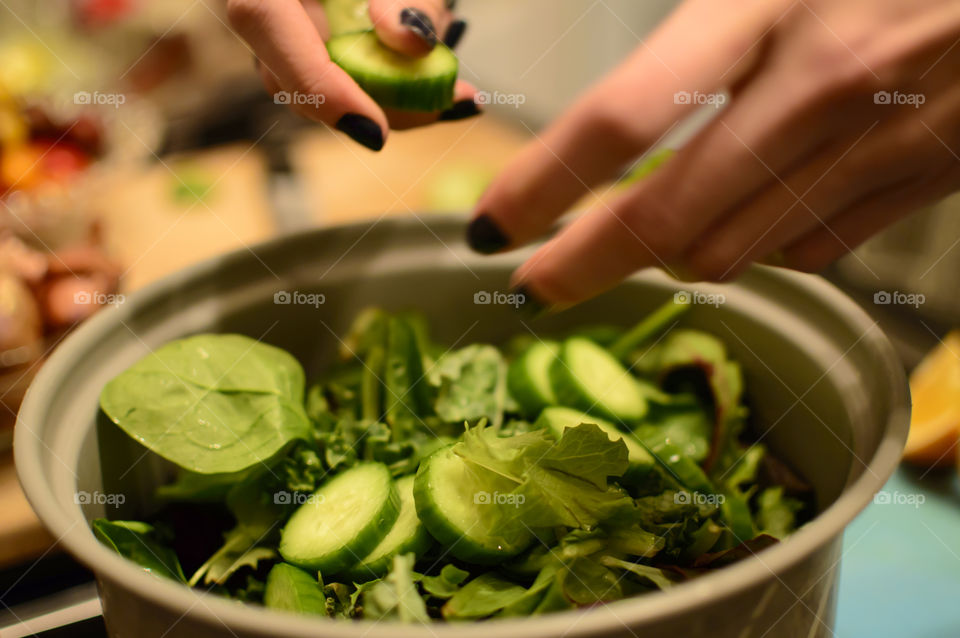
95,13
87,133
935,417
13,126
20,167
68,300
20,323
63,161
27,62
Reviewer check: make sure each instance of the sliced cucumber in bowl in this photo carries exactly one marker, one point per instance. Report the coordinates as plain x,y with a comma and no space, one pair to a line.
529,377
343,521
587,377
456,500
407,535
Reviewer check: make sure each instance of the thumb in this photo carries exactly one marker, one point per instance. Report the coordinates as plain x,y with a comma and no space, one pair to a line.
411,27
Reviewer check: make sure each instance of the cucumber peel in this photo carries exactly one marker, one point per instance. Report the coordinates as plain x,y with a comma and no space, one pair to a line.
453,499
529,377
407,535
588,377
395,80
342,521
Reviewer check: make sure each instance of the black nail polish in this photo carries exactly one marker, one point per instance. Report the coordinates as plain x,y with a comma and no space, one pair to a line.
362,129
528,304
455,33
421,25
484,236
451,4
460,111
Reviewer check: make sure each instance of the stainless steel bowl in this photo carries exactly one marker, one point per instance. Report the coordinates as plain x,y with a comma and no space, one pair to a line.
826,391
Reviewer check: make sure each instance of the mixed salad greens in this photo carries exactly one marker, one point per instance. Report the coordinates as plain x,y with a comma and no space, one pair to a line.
420,483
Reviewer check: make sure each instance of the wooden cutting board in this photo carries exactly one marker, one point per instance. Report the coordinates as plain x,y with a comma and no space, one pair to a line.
343,182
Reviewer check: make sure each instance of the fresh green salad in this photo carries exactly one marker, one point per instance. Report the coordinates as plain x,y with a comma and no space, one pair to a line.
416,482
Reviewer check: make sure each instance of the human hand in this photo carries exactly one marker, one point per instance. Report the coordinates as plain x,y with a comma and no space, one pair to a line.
287,37
844,115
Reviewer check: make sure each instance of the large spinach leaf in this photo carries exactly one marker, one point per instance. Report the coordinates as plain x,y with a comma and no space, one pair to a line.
211,403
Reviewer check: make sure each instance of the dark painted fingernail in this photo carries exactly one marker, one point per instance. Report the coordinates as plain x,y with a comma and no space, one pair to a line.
484,236
421,25
528,304
455,33
460,111
362,129
451,4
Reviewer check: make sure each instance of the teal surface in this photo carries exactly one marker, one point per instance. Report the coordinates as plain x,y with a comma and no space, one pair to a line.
900,573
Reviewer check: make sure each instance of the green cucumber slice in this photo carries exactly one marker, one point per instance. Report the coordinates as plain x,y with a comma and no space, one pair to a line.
342,521
392,79
292,589
455,501
408,535
347,16
529,377
587,377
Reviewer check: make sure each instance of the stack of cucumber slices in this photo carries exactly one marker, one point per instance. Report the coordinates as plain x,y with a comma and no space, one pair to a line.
419,483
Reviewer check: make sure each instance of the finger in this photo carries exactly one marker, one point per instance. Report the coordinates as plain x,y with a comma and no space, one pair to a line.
699,49
318,17
270,82
816,250
412,27
464,106
286,42
655,222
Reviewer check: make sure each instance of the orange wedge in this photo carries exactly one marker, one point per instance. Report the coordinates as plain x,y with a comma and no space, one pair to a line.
935,417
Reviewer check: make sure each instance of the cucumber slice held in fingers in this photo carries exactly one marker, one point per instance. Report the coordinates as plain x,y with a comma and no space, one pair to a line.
407,535
395,80
343,521
347,16
588,377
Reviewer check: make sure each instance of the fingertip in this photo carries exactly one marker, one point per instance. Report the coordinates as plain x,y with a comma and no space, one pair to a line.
420,24
410,27
455,33
485,236
362,130
460,110
528,302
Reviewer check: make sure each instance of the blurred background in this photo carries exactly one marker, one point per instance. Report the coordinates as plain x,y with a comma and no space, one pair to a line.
135,139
